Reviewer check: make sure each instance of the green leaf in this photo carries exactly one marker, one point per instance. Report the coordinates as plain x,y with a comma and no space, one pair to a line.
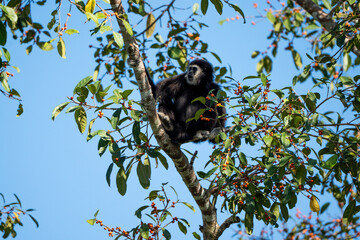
285,139
136,132
197,236
71,31
108,173
121,181
102,146
6,54
188,205
166,233
90,6
287,24
218,5
346,61
249,222
255,54
45,46
204,6
92,17
139,210
61,47
284,212
144,231
128,27
96,213
159,38
182,227
80,119
239,11
200,99
263,79
58,109
144,173
301,174
10,13
28,49
115,118
3,34
271,17
327,4
135,115
118,39
297,59
331,162
340,40
34,220
20,110
348,213
82,83
275,210
324,207
163,160
104,28
150,25
91,221
4,81
267,139
174,52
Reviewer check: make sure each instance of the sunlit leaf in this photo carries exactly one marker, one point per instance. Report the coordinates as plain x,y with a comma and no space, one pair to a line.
118,39
195,7
58,109
80,119
150,25
71,31
61,48
314,205
128,27
90,6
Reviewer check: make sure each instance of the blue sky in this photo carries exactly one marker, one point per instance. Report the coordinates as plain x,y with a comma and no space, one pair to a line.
52,168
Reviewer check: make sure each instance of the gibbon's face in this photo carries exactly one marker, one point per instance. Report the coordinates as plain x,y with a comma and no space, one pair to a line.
193,75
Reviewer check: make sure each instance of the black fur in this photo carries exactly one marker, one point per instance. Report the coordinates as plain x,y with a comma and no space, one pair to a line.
175,96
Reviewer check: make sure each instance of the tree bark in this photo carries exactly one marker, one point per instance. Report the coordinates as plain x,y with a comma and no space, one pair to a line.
323,18
210,229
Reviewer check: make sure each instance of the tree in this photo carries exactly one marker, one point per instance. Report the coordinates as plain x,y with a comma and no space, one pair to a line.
299,145
10,215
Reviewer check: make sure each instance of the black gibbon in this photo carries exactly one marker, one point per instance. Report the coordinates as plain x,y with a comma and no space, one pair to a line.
175,96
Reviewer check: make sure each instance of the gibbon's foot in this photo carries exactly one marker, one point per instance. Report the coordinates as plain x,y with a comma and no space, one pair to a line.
132,63
166,122
202,134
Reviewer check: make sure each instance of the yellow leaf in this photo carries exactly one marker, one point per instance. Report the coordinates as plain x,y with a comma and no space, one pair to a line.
314,205
150,28
16,216
90,6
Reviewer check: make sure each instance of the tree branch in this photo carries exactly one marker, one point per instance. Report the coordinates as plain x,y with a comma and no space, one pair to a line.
226,224
162,13
180,160
324,19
